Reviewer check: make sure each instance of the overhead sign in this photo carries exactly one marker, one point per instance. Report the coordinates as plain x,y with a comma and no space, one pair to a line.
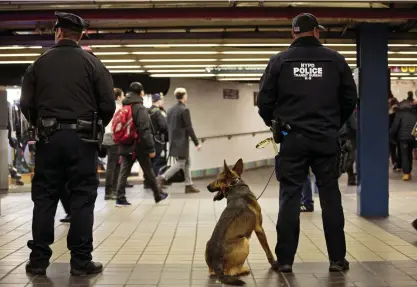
234,70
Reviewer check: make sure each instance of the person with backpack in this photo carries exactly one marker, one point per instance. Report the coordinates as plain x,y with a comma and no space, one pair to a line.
113,165
160,132
133,132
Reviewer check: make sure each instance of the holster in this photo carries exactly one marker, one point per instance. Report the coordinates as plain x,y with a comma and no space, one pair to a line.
279,129
91,131
342,158
46,127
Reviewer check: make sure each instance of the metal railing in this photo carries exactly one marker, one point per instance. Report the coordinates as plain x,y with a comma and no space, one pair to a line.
229,136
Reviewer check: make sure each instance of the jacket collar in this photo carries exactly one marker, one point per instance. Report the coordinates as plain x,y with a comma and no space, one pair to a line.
133,98
67,42
308,41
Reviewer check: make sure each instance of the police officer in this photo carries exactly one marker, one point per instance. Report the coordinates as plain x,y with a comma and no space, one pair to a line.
62,93
308,90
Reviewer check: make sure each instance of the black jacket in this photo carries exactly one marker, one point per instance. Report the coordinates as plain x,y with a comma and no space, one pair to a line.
310,87
67,83
160,127
180,130
404,122
140,116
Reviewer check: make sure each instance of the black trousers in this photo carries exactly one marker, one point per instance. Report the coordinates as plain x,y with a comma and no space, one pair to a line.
146,165
65,199
395,153
113,170
297,154
66,158
406,151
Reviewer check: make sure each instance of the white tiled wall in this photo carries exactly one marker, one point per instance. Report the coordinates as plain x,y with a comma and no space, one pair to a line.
212,115
401,87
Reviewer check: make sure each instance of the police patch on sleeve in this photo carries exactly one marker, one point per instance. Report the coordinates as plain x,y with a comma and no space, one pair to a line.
307,71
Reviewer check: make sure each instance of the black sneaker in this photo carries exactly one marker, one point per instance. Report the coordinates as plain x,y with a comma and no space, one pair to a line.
339,266
162,196
122,203
92,268
67,219
35,270
283,268
306,208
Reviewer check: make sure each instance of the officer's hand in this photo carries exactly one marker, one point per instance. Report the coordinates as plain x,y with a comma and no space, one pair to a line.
152,155
198,147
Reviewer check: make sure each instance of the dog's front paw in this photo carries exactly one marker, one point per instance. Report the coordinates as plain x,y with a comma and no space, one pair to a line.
271,261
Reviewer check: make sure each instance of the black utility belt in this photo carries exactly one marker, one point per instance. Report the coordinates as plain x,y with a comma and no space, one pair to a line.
90,131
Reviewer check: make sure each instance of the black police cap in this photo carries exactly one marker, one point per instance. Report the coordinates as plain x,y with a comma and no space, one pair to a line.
136,87
70,21
305,22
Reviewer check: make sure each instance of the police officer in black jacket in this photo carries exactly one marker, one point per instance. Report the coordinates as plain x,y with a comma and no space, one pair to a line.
63,92
310,90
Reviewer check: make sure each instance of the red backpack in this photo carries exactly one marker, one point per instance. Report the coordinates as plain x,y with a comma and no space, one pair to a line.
123,127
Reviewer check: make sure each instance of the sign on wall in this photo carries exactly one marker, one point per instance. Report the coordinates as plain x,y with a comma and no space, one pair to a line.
404,69
230,94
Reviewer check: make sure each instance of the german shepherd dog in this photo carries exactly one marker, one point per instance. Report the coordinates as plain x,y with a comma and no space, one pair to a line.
228,247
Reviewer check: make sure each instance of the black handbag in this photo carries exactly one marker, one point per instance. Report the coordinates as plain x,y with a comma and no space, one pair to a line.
178,177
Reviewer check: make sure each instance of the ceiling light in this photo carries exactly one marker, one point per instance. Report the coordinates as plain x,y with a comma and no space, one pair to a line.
340,45
402,59
257,45
110,53
238,79
123,67
178,66
408,78
105,46
350,59
244,65
401,45
401,65
176,53
249,52
182,75
171,45
178,71
20,55
126,71
407,52
19,47
244,59
347,52
239,75
177,60
400,74
16,62
394,78
119,61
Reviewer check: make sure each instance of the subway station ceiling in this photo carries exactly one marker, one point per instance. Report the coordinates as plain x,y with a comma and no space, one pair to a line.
223,39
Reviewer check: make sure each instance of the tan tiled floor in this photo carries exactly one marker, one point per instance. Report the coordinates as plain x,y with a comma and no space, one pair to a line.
163,245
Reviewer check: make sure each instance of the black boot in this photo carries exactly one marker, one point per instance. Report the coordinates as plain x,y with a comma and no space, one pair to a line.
92,268
339,266
35,270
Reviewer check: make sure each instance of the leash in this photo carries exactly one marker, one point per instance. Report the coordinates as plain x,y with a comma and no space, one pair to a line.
262,144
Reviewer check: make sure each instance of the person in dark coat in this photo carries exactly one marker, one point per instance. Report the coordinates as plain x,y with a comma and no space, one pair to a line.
180,130
142,150
160,132
394,148
401,131
348,136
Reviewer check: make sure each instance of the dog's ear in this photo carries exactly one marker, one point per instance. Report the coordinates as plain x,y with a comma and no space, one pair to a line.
226,167
238,168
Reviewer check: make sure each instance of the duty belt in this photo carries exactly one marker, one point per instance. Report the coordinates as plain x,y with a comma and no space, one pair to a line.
65,126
